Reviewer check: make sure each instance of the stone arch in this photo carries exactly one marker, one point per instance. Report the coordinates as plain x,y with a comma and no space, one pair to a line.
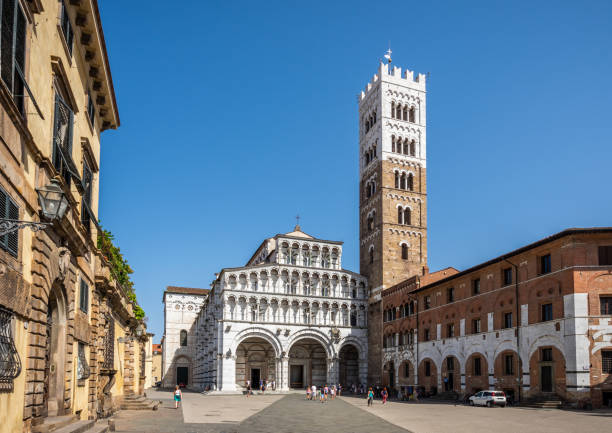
315,335
361,350
476,382
259,333
56,349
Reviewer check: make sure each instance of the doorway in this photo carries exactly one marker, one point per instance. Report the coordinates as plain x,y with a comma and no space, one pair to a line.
55,354
546,375
255,377
182,376
297,376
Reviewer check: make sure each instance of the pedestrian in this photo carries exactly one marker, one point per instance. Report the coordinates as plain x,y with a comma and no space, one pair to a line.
177,396
326,392
313,394
370,397
339,389
248,387
333,392
384,394
308,393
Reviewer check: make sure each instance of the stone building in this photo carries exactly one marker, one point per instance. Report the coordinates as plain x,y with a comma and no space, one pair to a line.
392,189
156,369
61,310
181,307
291,316
535,321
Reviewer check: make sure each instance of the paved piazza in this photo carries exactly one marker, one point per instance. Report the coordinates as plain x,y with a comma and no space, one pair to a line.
292,413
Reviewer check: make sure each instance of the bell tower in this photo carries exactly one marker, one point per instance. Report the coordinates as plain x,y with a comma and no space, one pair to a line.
392,190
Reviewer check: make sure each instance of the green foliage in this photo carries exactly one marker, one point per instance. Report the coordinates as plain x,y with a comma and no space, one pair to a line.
121,270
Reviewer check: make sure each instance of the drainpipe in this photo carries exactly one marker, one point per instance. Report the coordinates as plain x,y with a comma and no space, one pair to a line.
518,327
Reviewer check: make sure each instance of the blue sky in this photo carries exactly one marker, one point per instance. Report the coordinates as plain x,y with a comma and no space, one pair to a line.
236,116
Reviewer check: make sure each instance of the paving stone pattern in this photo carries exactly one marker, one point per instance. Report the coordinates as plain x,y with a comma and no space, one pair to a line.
291,414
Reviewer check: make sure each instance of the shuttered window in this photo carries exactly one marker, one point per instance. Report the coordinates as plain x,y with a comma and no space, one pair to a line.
62,138
605,303
91,108
67,29
606,361
86,214
84,297
605,255
12,51
9,210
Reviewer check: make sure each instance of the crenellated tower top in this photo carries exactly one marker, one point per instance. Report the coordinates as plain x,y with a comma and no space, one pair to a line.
394,74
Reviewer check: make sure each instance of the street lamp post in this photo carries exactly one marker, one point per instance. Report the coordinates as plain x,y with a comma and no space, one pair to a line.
53,203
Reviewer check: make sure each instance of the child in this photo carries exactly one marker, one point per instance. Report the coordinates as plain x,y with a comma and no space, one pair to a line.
370,397
177,396
308,393
384,395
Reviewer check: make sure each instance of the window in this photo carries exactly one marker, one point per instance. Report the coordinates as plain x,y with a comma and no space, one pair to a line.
91,109
9,210
605,303
398,112
606,361
450,294
475,326
371,223
406,370
86,213
400,215
410,182
407,217
412,116
10,364
404,252
427,368
12,52
426,336
450,363
67,27
427,302
507,276
547,312
450,330
393,312
82,366
547,355
508,365
84,297
353,318
507,320
477,366
183,339
371,255
392,109
605,255
397,180
412,148
476,286
545,264
62,138
405,113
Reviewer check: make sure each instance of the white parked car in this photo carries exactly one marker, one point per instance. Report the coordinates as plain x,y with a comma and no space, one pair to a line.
488,398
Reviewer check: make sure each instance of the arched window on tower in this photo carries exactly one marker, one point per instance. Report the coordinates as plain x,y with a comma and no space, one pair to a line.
406,147
404,252
397,180
412,148
407,217
353,318
405,113
183,338
367,189
403,181
398,112
393,143
370,223
410,182
400,215
392,109
412,115
371,255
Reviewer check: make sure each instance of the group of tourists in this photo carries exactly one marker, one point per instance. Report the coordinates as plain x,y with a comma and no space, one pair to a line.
263,385
323,393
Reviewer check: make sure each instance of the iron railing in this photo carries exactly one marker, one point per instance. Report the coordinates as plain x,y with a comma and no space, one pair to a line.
10,363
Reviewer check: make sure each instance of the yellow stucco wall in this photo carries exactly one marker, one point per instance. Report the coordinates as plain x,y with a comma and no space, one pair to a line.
80,391
11,403
117,389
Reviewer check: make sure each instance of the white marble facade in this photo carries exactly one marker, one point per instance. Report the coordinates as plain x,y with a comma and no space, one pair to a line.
292,315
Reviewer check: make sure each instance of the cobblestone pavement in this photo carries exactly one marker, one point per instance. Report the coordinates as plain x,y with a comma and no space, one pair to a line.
288,414
441,417
293,414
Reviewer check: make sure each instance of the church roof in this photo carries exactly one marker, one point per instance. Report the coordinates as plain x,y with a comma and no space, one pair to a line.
298,233
186,291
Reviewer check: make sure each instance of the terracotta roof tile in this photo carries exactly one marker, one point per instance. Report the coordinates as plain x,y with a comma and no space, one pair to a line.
187,290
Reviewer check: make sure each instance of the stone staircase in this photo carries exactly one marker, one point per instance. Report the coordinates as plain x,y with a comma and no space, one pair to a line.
139,402
551,401
70,424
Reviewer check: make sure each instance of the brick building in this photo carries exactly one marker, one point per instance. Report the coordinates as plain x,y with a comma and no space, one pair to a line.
393,190
537,319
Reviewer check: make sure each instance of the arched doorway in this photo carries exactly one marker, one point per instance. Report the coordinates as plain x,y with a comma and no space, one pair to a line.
349,366
307,364
451,376
389,375
55,353
182,371
255,361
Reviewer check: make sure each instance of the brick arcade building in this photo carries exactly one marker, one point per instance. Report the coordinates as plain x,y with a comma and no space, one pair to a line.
459,329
